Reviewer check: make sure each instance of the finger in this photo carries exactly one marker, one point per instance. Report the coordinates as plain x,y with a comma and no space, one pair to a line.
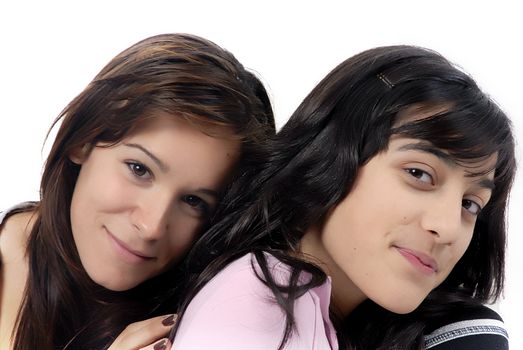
162,344
143,333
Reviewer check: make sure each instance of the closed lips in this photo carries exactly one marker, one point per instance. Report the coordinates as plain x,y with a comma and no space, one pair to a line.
127,248
422,257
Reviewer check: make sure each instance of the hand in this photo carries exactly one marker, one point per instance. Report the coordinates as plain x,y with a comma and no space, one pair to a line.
149,334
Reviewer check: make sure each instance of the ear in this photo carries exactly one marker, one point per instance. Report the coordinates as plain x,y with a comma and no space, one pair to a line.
79,154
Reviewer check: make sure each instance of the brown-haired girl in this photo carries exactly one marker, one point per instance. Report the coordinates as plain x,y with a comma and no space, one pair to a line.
137,168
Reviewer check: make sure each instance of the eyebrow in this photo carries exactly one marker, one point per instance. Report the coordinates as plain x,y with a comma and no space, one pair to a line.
487,183
163,167
423,147
211,193
445,157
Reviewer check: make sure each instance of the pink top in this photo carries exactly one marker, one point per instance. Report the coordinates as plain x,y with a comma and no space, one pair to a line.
235,310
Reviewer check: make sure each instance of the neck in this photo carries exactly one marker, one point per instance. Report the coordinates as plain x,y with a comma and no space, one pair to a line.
345,296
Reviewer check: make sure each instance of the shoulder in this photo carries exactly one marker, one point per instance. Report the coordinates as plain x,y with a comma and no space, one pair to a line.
471,327
236,310
241,279
15,227
25,207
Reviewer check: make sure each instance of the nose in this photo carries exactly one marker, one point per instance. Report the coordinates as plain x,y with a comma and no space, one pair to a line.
443,218
150,216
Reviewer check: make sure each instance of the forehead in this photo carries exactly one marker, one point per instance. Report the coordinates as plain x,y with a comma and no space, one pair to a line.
151,118
166,129
183,148
445,133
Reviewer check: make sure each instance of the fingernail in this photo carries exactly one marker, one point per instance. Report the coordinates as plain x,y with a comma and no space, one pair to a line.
161,345
168,321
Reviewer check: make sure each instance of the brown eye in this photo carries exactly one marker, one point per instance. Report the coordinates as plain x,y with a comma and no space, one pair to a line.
420,175
197,204
139,170
471,206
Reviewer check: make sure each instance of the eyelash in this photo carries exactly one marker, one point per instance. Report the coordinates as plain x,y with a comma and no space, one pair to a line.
133,168
144,173
413,171
465,203
201,206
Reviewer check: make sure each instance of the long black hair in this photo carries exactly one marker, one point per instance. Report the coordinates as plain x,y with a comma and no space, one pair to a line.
347,119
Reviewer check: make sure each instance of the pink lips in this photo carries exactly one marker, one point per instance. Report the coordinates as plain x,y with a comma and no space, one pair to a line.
421,261
125,252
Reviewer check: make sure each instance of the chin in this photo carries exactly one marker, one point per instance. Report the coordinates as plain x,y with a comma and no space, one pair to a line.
118,287
404,309
399,304
114,285
404,306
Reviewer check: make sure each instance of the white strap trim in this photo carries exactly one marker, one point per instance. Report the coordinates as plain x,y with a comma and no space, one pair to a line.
463,329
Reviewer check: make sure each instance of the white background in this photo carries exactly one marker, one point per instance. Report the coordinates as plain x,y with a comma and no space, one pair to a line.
49,51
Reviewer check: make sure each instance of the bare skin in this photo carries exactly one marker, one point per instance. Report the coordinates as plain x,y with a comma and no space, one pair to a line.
13,272
143,335
136,227
149,334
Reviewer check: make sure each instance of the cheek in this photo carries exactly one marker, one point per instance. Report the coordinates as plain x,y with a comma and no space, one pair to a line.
351,235
104,190
452,254
183,231
368,212
460,247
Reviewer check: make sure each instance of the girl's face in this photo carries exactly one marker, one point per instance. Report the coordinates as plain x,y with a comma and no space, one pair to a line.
404,225
138,205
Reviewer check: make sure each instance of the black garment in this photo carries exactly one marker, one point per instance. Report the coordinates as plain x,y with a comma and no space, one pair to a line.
474,328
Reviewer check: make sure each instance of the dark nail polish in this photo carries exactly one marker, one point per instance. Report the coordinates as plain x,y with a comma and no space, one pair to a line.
160,345
168,321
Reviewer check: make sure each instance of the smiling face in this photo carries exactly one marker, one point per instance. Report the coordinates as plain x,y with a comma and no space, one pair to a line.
406,222
138,205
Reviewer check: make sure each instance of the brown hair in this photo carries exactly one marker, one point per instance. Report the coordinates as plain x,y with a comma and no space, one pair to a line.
183,75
